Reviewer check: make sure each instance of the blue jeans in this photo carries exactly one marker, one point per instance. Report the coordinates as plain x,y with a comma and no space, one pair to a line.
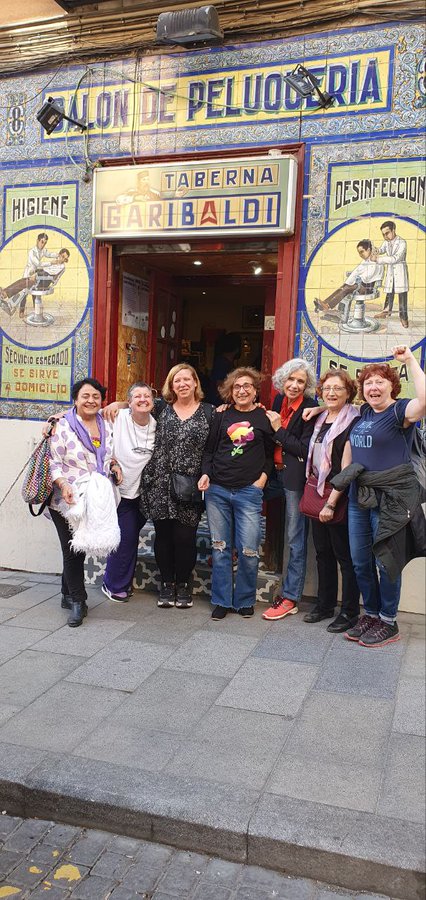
296,526
380,595
234,521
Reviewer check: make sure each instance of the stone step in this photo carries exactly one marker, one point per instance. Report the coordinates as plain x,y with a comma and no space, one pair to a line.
146,573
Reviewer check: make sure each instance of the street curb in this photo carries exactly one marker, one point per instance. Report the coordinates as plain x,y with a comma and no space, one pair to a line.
355,850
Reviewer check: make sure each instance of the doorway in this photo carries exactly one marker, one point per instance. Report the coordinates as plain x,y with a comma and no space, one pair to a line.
203,302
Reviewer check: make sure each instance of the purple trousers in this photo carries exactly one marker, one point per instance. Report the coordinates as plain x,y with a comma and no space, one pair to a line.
121,564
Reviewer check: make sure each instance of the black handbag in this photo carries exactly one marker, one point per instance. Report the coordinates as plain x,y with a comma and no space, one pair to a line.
184,488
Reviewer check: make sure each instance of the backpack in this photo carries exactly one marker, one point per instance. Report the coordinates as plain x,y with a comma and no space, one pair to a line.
417,452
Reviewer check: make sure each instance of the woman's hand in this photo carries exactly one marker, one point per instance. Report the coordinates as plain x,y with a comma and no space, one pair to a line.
223,407
49,427
326,514
402,353
111,411
67,492
204,483
116,472
311,412
274,418
261,481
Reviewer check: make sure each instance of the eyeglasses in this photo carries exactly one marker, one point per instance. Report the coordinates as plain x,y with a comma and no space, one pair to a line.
336,390
243,387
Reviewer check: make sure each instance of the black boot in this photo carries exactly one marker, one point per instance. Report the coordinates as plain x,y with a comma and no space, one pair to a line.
167,594
66,601
77,614
183,596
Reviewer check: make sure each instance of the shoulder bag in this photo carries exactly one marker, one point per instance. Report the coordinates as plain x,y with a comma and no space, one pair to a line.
312,503
38,486
184,488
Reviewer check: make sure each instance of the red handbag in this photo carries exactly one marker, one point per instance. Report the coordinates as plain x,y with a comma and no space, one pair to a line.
312,503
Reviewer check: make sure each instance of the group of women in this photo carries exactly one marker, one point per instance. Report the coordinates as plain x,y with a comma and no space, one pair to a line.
169,456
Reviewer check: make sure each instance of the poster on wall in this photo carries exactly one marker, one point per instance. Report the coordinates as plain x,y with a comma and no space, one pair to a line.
135,307
364,284
44,289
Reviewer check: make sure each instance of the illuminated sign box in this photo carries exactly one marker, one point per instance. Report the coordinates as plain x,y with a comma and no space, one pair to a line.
254,195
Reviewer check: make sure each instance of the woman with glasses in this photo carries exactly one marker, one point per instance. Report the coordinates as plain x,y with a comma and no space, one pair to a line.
327,455
235,465
134,435
295,381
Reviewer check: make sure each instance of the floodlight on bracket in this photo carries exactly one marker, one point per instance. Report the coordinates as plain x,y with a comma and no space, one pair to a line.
51,114
304,83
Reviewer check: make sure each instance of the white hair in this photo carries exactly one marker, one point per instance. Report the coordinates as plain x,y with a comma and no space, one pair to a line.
280,375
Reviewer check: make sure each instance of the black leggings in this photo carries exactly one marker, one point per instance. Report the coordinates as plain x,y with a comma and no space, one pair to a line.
175,549
73,570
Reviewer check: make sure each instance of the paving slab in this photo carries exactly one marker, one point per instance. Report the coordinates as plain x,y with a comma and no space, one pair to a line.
83,641
271,686
212,654
232,746
352,669
403,786
123,665
59,719
14,640
30,674
262,743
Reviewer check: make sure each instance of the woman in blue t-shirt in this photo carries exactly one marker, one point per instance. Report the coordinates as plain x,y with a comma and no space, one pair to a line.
380,441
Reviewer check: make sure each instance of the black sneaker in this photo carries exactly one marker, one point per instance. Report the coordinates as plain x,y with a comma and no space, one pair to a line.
380,634
363,625
219,612
167,595
342,623
246,611
183,596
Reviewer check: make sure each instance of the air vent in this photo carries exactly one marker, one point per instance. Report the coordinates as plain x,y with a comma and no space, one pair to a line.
188,27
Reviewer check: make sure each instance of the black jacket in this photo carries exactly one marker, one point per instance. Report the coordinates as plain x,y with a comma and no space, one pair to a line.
401,535
295,443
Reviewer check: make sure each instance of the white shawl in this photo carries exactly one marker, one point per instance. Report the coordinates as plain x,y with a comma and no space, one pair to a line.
93,517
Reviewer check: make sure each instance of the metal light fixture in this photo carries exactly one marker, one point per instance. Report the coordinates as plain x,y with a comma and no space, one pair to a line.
257,269
304,83
51,114
190,26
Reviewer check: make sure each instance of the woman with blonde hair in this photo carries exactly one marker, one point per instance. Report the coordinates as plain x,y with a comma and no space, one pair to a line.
183,425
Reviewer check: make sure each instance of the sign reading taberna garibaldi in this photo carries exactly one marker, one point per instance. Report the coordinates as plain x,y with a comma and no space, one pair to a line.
254,195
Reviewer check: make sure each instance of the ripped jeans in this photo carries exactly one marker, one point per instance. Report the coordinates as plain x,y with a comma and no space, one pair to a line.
234,521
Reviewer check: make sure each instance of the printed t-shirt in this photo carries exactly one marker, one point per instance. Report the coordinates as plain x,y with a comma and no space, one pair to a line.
377,440
244,448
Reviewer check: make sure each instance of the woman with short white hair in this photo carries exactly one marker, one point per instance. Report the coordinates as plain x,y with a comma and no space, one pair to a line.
295,381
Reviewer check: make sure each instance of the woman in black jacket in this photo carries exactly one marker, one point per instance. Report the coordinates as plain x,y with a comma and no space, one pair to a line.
295,381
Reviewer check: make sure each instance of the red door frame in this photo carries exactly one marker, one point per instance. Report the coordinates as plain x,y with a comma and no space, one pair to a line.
104,364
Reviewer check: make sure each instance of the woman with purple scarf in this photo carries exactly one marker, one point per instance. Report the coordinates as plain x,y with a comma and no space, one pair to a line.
326,458
80,446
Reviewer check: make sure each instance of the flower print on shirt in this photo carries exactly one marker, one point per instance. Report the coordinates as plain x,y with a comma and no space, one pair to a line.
240,433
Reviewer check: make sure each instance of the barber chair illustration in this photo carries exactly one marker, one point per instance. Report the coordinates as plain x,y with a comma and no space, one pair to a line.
353,319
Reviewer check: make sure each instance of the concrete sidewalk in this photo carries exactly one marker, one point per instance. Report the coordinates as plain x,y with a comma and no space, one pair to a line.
274,744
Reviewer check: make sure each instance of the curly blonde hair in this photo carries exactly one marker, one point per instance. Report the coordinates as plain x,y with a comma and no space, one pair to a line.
167,389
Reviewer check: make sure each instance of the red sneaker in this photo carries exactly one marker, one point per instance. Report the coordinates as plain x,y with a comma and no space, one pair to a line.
280,608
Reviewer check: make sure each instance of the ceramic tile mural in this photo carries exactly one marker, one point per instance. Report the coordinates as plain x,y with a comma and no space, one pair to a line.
361,284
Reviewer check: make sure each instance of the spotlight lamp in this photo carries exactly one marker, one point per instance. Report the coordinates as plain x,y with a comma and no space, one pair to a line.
257,269
304,83
51,114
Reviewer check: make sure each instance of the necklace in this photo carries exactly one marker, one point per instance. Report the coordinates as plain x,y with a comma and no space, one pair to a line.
136,448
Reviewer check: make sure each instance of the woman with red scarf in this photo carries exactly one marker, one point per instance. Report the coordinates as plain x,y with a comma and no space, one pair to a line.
295,381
